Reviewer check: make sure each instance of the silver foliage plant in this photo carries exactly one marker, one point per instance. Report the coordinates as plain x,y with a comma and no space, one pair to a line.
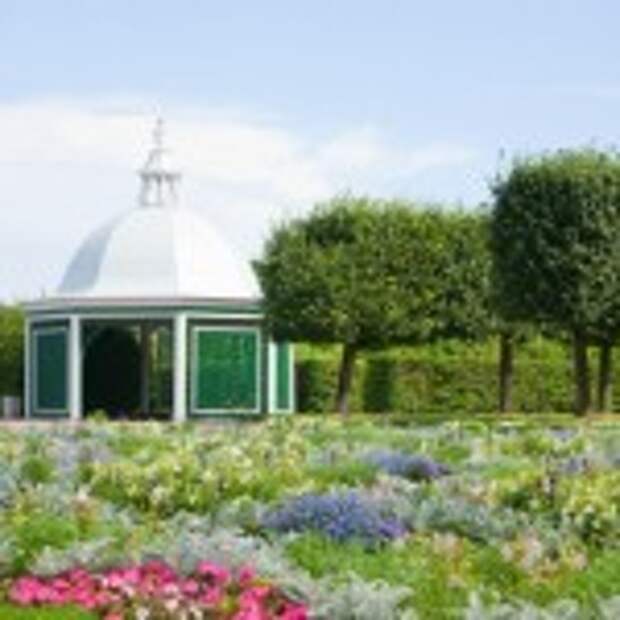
8,485
97,554
350,599
565,609
358,599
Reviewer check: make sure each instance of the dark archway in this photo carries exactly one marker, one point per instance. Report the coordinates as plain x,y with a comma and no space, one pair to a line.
128,369
112,375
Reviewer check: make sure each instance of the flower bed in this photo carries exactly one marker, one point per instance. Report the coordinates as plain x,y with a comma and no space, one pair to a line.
155,590
340,520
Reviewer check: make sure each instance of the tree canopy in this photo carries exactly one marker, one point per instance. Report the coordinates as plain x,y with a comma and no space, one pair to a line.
554,237
370,274
462,306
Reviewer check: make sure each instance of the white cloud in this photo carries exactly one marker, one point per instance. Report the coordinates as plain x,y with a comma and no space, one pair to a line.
66,166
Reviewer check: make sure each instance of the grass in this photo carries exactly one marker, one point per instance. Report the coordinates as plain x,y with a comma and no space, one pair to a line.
11,612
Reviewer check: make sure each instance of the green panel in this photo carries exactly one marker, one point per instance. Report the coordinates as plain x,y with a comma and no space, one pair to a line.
51,370
283,376
226,372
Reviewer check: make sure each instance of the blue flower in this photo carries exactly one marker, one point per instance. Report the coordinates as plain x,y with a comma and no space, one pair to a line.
340,516
410,466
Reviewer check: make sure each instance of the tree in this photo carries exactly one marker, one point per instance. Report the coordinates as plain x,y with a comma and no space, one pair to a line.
604,336
359,272
465,307
554,237
462,306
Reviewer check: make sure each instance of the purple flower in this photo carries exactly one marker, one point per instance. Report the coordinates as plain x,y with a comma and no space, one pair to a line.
412,466
340,516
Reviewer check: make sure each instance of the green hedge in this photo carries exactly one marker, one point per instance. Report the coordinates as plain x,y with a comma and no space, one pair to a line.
437,379
11,350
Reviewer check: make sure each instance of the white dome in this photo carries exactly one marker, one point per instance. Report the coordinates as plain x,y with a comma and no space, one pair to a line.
158,252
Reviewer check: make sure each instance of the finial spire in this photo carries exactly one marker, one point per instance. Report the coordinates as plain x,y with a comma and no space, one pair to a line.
158,133
158,180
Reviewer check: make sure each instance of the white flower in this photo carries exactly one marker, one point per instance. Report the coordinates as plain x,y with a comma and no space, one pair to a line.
142,613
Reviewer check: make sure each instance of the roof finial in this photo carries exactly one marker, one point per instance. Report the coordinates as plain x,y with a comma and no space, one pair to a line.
158,181
158,133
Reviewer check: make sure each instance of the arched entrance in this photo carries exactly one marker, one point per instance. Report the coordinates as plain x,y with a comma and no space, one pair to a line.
127,369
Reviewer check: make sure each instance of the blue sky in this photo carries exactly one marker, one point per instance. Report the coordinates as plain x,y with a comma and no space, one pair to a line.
272,106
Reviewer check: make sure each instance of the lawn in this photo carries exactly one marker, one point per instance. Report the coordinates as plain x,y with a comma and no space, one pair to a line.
374,517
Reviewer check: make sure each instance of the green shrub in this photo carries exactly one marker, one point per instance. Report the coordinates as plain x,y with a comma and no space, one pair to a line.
443,377
37,469
379,387
591,505
345,473
37,530
316,384
599,579
11,350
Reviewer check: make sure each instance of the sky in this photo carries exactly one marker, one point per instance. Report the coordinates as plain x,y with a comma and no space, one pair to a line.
274,106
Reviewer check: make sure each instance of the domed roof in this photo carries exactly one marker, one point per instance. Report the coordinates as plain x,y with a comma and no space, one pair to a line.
155,252
158,250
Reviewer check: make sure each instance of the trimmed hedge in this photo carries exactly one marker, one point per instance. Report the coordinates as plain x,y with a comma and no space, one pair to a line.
11,350
445,377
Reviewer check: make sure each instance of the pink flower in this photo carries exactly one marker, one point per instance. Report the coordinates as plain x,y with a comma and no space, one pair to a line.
190,587
246,575
117,593
294,612
24,591
131,576
212,596
218,574
113,580
251,610
257,594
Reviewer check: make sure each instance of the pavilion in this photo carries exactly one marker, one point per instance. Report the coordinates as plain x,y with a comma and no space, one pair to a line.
155,317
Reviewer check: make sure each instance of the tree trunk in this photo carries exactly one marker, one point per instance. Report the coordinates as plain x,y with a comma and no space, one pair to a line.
605,381
345,377
506,367
582,372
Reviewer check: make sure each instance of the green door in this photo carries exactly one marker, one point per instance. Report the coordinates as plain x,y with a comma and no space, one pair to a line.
50,370
226,370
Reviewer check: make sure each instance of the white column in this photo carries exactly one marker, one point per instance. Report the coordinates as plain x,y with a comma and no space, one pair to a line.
75,368
145,370
272,376
179,413
27,370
